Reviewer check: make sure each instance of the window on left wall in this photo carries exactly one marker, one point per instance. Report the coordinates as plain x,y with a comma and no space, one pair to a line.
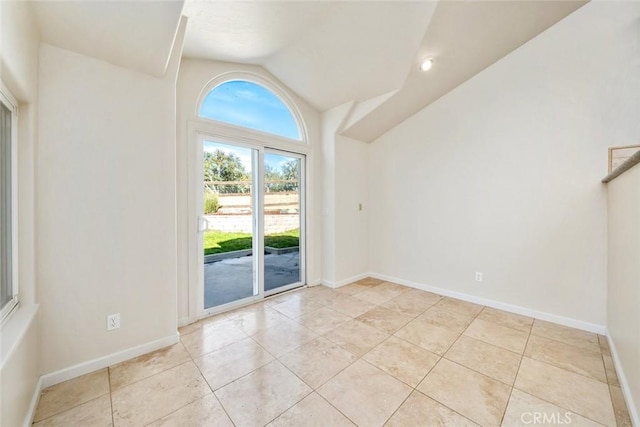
8,201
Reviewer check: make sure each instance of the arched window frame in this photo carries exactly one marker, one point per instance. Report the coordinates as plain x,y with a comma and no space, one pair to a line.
240,132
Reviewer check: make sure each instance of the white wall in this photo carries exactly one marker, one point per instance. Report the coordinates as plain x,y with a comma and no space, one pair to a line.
345,249
20,342
331,121
502,175
623,296
194,75
106,223
351,224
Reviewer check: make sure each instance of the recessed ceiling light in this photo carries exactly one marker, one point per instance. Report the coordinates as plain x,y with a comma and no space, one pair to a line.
426,64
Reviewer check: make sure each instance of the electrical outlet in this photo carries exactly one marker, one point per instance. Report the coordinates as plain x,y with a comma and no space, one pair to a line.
113,322
478,276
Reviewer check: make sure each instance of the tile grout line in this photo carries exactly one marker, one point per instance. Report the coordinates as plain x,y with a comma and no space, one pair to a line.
362,356
460,335
475,370
312,388
385,332
223,408
508,326
331,404
243,375
275,358
566,370
574,347
332,377
113,421
443,357
513,385
69,409
606,375
491,345
544,399
565,343
609,385
153,375
559,406
413,388
192,358
172,367
315,390
440,357
78,404
213,393
448,407
440,403
403,400
162,372
294,404
522,355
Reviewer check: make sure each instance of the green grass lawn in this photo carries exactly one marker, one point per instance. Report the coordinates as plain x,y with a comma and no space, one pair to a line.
217,242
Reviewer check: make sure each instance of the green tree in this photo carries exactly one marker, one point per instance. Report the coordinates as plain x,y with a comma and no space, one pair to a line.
291,172
271,174
221,166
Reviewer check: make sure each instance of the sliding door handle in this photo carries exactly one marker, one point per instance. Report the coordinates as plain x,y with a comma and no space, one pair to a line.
203,224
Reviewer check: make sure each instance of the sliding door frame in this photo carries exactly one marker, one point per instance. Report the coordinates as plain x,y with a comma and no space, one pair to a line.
200,130
257,206
301,215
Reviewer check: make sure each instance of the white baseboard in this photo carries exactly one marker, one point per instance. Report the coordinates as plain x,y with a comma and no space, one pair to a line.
549,317
31,412
624,385
105,361
343,282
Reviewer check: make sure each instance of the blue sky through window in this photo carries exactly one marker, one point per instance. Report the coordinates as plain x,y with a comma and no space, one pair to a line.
249,105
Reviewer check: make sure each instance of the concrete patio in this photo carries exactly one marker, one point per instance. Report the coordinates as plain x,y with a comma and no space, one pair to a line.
232,279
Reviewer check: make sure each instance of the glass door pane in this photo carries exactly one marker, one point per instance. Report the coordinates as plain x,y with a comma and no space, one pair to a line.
227,224
282,221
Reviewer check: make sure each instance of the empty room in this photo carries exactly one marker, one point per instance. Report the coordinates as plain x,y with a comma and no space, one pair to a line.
319,213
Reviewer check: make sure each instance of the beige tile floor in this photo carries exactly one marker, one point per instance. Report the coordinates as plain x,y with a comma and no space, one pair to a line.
369,354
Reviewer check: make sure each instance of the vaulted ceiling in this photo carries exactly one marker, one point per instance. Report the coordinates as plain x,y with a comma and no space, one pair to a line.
327,52
333,52
132,34
463,37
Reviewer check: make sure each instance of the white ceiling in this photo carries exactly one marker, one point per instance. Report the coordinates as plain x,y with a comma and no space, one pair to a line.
334,52
132,34
327,52
464,37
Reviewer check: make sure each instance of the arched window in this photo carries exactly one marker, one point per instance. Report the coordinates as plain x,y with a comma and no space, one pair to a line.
250,105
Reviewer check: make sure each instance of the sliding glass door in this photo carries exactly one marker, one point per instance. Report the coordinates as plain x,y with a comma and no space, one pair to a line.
227,224
250,223
283,224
